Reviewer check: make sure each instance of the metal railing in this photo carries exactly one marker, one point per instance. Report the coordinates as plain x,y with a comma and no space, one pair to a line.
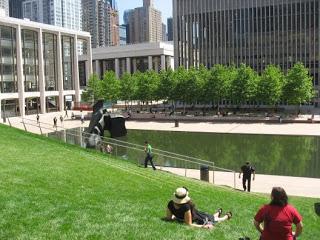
128,151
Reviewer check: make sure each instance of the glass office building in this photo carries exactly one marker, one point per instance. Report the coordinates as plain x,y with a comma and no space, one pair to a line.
255,32
39,67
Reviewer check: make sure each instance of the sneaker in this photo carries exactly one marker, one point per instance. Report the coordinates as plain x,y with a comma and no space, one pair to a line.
220,212
229,214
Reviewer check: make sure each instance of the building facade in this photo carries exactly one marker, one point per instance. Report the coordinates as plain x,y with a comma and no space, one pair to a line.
123,34
164,32
62,13
15,8
39,67
131,58
170,29
144,24
254,32
4,7
101,19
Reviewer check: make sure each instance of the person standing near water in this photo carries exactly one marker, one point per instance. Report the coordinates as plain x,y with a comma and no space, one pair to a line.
247,170
149,156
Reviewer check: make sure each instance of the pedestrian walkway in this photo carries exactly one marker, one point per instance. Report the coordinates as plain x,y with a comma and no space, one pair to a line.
294,186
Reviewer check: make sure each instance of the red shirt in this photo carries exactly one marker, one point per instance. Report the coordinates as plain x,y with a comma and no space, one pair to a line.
278,221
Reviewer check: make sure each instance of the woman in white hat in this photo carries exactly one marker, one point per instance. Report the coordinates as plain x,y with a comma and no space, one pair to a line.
182,209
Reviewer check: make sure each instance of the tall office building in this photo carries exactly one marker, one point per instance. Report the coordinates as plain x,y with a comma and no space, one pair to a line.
164,32
62,13
145,24
123,34
254,32
4,7
33,10
101,19
170,29
15,8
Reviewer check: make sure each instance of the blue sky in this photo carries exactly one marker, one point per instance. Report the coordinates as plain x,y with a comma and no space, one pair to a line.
165,6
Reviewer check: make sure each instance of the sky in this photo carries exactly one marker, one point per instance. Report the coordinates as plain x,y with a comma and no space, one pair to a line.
165,6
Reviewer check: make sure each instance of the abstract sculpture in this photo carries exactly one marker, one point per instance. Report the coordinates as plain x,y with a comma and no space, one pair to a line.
101,120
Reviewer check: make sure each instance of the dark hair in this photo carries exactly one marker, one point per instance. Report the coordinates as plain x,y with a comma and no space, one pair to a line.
247,163
279,197
145,142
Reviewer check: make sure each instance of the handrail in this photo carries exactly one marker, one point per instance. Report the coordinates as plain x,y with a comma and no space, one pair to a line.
136,147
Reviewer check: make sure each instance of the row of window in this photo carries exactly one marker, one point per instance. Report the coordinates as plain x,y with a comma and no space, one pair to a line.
30,58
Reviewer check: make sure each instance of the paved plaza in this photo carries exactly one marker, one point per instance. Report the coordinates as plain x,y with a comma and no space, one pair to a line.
308,187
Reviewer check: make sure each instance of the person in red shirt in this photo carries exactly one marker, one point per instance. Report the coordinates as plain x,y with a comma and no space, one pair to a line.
278,217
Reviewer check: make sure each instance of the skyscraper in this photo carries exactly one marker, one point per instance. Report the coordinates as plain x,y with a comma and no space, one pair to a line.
101,19
170,29
145,23
254,32
4,7
164,32
123,34
15,8
63,13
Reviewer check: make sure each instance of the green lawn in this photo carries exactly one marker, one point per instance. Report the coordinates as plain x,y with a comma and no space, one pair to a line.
49,190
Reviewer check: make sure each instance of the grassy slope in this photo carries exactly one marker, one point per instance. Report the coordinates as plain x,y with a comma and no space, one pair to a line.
49,190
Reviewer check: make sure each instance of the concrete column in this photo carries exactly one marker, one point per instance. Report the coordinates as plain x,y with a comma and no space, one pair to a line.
76,69
128,63
97,68
156,67
150,63
20,76
117,67
104,67
60,72
134,63
89,60
163,62
41,74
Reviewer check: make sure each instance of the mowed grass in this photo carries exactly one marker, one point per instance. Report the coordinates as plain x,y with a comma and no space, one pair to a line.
49,190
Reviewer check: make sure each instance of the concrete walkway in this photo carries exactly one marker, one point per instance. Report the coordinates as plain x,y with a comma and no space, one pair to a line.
294,186
308,187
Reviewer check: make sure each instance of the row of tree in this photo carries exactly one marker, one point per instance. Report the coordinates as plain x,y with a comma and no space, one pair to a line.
239,85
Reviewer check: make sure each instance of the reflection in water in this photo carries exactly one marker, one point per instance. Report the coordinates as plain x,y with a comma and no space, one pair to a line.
270,154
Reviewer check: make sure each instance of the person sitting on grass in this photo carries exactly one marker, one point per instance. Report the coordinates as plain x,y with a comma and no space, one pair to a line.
182,209
278,217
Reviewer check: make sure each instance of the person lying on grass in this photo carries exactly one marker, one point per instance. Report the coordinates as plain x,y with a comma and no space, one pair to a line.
182,209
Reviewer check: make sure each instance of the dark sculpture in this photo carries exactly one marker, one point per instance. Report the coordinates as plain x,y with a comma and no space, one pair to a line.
317,208
101,120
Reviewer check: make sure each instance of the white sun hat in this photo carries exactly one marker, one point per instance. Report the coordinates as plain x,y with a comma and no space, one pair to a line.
180,196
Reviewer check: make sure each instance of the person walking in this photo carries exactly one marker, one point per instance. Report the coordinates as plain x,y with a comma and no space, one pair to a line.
247,170
66,111
55,120
278,217
38,118
82,117
149,156
61,120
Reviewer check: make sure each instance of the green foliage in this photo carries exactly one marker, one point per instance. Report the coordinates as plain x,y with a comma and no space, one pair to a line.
147,84
244,87
271,85
219,82
127,87
167,85
93,90
298,88
110,86
204,86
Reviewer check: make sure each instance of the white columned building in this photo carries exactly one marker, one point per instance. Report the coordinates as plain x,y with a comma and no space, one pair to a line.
42,69
136,57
